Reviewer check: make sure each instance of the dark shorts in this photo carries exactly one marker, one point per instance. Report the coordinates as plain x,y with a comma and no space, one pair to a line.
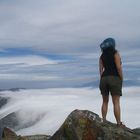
112,84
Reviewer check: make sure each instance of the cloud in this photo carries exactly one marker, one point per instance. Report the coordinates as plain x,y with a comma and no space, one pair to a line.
55,101
71,29
27,71
28,77
2,50
67,26
31,71
29,60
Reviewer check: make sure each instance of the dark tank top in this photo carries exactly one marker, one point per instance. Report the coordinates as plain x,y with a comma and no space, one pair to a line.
108,60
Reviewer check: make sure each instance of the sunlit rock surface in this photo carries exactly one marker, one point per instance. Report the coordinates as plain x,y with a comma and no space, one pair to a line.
86,125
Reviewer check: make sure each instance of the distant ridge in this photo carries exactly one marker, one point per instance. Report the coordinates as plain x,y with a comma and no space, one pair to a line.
12,89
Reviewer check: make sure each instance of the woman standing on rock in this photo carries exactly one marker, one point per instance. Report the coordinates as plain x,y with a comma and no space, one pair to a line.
111,78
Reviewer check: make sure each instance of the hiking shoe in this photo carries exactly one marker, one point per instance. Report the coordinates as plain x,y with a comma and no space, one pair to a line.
121,125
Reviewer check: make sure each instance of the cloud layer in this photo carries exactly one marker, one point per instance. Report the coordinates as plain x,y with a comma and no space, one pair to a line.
67,26
56,42
53,105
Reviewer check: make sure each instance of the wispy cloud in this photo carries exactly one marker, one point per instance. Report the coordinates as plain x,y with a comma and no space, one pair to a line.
37,71
27,60
28,77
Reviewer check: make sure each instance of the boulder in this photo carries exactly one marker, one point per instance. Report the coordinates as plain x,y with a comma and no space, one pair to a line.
8,134
86,125
137,130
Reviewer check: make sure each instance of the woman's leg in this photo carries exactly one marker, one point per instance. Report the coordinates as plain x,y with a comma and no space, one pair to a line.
104,106
117,110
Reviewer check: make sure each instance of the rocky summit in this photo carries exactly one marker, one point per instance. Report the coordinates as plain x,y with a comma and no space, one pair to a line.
82,125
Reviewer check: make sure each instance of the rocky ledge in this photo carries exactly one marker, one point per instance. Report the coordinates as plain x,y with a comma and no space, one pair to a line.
82,125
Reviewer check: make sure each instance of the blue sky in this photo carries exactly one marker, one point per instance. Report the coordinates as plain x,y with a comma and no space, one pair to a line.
55,43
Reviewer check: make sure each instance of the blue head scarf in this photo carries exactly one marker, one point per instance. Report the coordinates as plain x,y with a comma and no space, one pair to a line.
107,43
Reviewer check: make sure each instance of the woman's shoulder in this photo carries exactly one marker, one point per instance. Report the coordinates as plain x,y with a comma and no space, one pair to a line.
117,56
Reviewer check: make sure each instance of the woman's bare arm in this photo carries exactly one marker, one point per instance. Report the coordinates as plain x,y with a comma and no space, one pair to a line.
118,65
101,67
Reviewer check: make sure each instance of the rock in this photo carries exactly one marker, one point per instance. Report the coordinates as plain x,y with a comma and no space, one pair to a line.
82,125
3,101
86,125
8,134
38,137
9,121
137,130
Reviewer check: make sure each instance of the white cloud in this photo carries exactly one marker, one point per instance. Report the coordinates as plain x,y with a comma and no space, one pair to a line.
67,26
132,63
29,60
28,77
21,69
53,106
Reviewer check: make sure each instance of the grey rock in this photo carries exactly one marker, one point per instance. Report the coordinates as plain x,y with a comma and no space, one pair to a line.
86,125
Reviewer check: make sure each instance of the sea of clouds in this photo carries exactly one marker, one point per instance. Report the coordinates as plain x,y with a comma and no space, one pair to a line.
48,108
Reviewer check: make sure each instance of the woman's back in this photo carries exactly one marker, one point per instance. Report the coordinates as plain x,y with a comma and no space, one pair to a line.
108,60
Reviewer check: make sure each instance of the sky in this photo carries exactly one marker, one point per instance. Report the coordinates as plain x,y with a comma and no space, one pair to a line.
55,43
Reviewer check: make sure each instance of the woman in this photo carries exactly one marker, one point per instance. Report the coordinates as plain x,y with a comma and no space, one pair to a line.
111,78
